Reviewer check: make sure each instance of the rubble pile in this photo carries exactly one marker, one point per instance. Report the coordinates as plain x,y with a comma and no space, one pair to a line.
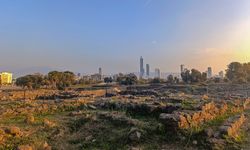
118,119
138,108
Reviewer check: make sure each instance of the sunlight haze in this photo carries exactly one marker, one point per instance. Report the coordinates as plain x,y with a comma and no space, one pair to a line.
84,35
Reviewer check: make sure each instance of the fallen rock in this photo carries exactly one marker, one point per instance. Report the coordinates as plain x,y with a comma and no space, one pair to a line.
30,119
209,132
171,121
76,113
1,138
14,131
134,135
92,107
2,133
118,119
89,138
46,146
217,144
48,123
195,142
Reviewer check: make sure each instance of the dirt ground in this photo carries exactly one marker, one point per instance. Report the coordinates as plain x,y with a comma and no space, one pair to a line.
130,120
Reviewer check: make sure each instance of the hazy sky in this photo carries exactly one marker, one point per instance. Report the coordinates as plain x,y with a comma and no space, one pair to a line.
82,35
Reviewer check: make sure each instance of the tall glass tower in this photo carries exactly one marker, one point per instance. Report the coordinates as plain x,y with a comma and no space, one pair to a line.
141,67
147,70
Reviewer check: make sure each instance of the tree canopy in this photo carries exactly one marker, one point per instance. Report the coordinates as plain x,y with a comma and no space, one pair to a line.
55,79
194,76
238,72
128,79
30,81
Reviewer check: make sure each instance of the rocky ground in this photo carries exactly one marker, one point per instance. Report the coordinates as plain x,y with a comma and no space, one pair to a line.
144,117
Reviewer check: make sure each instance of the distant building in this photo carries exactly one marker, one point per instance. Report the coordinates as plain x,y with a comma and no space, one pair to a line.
86,77
96,77
100,72
6,78
157,73
209,72
141,67
182,68
147,70
221,74
78,77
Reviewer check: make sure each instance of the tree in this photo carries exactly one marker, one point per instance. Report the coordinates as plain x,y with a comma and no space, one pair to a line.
61,80
176,80
186,77
46,81
54,78
170,79
68,78
195,76
156,80
128,79
108,80
246,67
204,76
237,72
30,81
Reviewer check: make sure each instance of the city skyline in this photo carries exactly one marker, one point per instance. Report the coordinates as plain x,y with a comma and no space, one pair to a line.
63,35
144,71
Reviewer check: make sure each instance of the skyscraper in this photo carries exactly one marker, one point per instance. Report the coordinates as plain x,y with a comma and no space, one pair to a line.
147,70
157,73
209,72
141,67
182,68
100,73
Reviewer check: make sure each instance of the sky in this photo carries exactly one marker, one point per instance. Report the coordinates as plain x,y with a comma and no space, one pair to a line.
83,35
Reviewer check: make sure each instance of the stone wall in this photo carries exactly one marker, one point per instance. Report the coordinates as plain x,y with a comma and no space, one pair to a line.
232,126
189,119
28,94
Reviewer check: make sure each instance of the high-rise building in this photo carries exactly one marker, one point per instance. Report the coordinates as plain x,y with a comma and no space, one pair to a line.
6,78
221,74
182,68
157,73
147,70
141,68
100,72
209,72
